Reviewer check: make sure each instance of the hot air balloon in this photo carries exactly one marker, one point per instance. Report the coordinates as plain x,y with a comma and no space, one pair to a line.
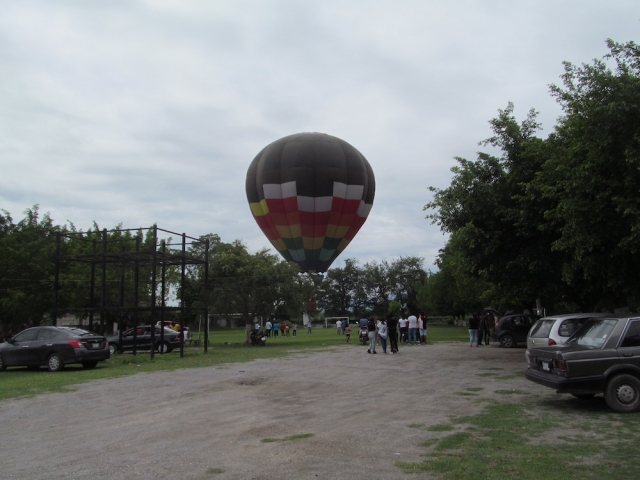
310,193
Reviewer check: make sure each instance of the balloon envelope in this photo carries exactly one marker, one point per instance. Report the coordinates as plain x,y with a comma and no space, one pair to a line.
310,193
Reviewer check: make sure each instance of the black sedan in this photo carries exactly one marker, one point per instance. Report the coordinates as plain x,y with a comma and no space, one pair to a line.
603,356
54,347
513,329
163,341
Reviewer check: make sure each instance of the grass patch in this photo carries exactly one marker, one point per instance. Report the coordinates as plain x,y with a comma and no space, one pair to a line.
287,439
441,427
466,394
225,348
509,392
474,389
214,471
415,425
507,441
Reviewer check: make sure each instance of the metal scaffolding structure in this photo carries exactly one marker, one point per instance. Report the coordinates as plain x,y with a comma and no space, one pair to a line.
113,252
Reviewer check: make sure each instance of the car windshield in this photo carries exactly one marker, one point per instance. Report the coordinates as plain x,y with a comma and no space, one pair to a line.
79,332
541,329
594,333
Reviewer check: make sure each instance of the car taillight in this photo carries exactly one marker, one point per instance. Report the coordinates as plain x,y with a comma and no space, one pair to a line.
561,365
75,343
551,341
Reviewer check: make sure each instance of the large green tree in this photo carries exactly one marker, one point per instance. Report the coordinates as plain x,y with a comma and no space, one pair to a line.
591,181
556,219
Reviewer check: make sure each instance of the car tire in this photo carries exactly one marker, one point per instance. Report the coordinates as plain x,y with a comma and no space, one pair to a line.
3,367
583,396
622,393
89,365
113,349
507,341
163,347
55,363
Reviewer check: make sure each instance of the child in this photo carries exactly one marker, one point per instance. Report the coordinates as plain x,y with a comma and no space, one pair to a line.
347,332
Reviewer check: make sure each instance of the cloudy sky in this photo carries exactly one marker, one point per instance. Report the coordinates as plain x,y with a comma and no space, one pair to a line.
142,112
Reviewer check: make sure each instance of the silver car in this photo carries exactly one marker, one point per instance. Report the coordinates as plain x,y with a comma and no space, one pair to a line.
557,329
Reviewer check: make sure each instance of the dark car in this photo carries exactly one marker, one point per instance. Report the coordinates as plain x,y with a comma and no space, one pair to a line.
603,356
513,329
162,343
54,347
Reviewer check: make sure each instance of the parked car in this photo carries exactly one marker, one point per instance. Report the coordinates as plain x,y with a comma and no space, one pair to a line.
513,329
54,347
603,356
161,343
556,329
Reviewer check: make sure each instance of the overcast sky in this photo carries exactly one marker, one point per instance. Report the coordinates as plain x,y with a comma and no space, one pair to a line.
143,112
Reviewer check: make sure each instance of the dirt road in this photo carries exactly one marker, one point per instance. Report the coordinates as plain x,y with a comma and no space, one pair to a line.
352,411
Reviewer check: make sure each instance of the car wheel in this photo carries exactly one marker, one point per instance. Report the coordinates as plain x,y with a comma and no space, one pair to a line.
163,347
3,367
583,396
622,393
55,363
507,341
113,349
89,364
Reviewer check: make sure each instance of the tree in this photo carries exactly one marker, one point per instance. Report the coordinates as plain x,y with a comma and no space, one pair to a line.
341,291
592,179
27,251
496,225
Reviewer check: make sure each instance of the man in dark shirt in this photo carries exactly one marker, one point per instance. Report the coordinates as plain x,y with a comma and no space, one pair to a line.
392,326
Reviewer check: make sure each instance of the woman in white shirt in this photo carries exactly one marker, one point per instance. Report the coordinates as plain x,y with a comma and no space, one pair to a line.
383,332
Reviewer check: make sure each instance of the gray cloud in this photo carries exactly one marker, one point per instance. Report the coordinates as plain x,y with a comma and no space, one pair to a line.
150,112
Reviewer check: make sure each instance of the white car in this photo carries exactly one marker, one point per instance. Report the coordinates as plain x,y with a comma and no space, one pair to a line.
557,329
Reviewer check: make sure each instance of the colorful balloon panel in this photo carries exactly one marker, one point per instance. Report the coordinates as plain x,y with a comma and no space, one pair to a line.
310,193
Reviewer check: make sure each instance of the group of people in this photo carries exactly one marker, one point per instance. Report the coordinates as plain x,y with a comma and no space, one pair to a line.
276,328
481,329
411,331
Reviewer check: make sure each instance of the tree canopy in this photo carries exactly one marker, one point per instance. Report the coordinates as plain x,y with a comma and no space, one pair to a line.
556,218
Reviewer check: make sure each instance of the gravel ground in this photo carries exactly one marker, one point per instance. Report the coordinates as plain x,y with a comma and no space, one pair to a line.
211,422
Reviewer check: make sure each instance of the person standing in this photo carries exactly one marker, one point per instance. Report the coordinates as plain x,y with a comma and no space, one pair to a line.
309,327
404,329
490,325
347,332
392,326
295,329
371,332
267,328
276,328
383,332
422,328
413,329
480,329
338,327
473,330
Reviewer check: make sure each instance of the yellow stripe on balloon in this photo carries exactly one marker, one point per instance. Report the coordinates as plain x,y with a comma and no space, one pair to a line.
259,209
279,244
312,243
289,231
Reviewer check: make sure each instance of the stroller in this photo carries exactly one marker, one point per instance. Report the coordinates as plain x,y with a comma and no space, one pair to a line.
363,335
258,338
